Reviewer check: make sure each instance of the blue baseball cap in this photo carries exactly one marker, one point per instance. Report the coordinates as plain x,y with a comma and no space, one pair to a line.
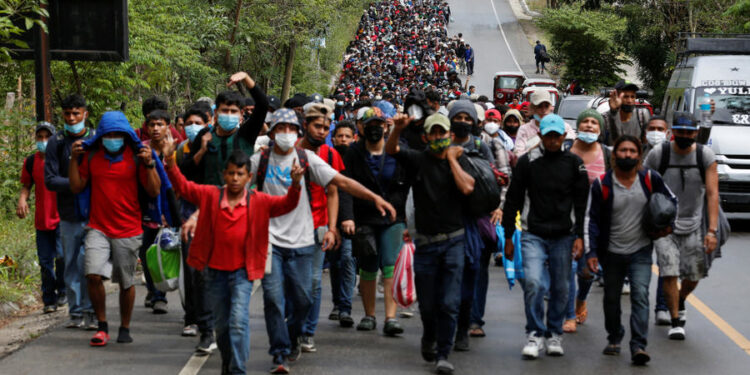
552,123
684,121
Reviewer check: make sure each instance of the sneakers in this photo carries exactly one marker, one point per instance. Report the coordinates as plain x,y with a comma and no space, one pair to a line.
294,353
429,350
147,301
663,318
345,320
626,288
334,315
533,347
392,327
190,330
368,323
554,346
462,342
62,300
611,349
89,322
677,333
75,322
640,357
307,343
160,307
682,314
207,344
49,309
442,366
279,365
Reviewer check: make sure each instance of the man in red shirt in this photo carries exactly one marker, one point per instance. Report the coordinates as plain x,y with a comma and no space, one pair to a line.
232,240
108,163
46,220
325,209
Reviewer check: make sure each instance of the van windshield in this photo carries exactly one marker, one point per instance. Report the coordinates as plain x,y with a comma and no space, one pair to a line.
507,83
732,104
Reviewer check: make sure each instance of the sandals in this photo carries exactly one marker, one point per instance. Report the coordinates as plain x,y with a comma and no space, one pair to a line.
569,326
101,338
611,349
582,311
476,331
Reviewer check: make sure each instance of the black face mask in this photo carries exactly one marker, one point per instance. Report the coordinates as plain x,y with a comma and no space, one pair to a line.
511,130
312,141
461,129
373,133
626,164
476,131
627,108
684,142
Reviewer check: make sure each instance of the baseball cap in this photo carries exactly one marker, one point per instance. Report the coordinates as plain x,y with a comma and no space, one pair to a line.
552,123
625,85
437,119
317,110
492,114
361,113
283,115
684,121
540,96
44,125
274,103
372,114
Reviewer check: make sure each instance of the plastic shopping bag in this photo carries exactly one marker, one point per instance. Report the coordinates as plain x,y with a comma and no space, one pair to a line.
164,259
404,288
513,268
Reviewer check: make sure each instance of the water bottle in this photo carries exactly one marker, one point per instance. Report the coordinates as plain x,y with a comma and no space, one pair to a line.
706,111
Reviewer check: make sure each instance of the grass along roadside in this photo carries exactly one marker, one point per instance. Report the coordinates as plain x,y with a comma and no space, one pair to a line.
20,282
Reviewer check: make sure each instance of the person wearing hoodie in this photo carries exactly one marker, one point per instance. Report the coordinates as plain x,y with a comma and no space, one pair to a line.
549,185
115,165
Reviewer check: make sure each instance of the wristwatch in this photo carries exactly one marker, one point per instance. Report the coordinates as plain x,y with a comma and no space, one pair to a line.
151,165
712,232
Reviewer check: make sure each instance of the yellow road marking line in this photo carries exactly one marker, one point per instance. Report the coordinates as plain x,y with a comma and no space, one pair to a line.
715,319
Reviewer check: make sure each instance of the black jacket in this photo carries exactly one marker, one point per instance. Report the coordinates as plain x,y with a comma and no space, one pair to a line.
56,173
554,184
364,212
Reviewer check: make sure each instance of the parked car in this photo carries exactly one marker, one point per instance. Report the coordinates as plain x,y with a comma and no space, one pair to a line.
571,106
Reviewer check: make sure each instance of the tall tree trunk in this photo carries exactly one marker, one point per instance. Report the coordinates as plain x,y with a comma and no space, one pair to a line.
288,71
76,77
233,35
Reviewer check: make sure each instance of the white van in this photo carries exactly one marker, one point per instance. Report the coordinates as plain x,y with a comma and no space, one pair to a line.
725,76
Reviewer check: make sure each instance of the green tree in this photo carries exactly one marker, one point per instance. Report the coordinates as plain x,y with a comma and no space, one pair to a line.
16,18
586,40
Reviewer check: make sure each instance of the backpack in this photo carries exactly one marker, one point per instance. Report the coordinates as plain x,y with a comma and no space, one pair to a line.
29,165
611,133
486,195
303,162
724,228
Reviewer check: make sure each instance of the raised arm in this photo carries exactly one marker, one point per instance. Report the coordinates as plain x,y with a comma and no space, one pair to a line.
250,129
358,191
463,180
77,183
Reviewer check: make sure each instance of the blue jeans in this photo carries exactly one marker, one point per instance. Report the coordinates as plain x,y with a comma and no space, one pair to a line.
556,253
637,267
438,271
229,295
343,275
149,236
661,302
72,234
51,261
584,286
308,328
291,277
480,293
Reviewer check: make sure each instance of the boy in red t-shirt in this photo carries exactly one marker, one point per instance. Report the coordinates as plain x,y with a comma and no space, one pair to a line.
108,163
231,241
46,220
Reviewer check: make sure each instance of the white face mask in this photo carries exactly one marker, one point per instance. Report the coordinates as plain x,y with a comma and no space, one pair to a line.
285,141
491,128
655,137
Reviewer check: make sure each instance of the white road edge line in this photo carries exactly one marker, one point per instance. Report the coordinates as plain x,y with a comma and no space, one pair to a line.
505,39
196,362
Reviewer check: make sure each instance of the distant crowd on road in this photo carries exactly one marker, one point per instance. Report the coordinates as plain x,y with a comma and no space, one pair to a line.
267,192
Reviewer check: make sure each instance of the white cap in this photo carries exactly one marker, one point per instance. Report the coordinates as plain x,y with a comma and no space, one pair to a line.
540,96
361,113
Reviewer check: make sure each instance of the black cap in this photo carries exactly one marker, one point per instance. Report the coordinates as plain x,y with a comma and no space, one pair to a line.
625,85
274,103
44,125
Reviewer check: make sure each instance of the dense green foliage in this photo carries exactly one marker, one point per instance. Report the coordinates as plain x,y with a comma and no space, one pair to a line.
587,43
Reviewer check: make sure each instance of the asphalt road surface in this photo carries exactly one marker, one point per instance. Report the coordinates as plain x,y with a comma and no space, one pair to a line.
718,325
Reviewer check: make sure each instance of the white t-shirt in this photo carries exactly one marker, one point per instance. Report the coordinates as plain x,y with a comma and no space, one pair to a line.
295,229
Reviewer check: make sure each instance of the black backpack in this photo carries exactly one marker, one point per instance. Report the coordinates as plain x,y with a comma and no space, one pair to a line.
486,195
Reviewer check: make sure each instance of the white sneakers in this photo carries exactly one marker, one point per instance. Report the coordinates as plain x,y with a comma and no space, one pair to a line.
535,344
677,333
554,346
663,318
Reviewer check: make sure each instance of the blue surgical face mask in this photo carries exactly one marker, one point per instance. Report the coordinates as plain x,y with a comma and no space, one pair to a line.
588,137
192,131
41,146
75,128
228,122
113,144
537,118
